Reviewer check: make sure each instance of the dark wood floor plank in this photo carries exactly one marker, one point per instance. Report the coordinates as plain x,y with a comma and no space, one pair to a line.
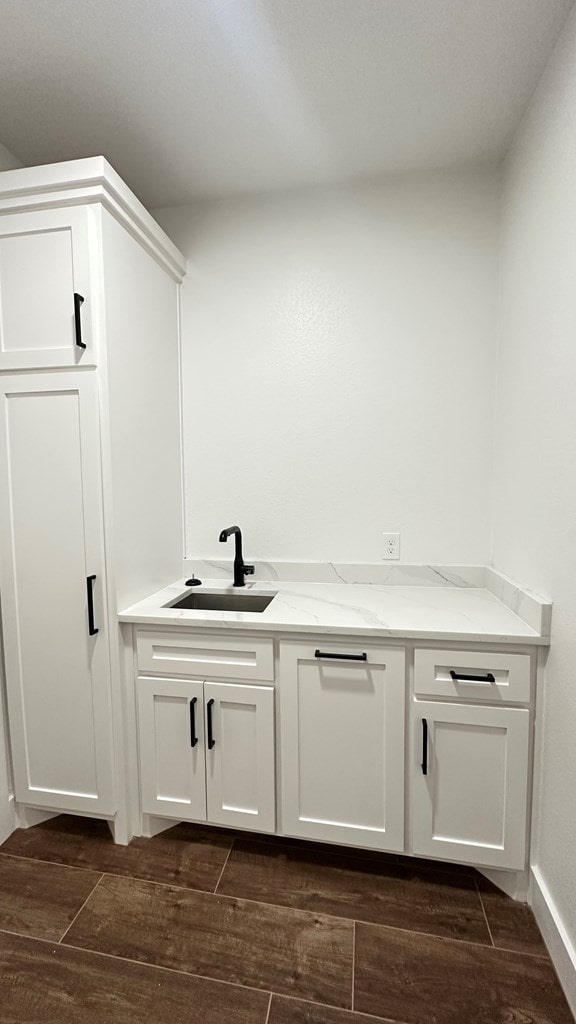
378,893
41,899
512,924
428,980
41,983
292,1011
187,855
287,951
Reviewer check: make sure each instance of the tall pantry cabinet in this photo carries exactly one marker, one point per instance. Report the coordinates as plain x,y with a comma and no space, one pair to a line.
90,473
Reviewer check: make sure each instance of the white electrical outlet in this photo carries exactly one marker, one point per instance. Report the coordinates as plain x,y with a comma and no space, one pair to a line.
390,546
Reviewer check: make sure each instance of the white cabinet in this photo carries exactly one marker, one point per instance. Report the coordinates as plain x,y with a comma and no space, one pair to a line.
342,743
90,476
45,289
207,751
469,783
53,592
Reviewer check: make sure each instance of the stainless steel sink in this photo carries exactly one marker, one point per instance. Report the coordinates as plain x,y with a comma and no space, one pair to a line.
224,602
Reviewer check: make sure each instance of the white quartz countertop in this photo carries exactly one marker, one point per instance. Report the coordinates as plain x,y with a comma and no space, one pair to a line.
423,612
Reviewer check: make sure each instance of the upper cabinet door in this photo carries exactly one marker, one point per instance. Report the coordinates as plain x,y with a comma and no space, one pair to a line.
342,729
469,783
53,593
240,755
45,289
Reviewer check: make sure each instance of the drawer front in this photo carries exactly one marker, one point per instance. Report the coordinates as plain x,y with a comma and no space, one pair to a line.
503,678
186,654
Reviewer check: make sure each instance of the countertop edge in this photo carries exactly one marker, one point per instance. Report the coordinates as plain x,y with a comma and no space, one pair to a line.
202,623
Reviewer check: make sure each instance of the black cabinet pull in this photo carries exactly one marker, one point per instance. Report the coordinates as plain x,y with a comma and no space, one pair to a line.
460,677
341,657
211,740
424,747
193,736
78,300
90,594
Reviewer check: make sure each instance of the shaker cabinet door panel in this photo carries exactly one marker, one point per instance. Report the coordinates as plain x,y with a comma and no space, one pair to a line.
44,262
57,667
469,783
240,755
171,733
342,743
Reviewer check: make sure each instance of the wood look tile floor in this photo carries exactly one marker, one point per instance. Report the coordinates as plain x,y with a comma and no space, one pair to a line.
207,926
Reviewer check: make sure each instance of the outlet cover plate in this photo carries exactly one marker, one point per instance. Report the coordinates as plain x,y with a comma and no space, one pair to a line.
390,547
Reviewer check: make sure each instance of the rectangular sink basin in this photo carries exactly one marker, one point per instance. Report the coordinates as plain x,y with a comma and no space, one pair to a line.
224,602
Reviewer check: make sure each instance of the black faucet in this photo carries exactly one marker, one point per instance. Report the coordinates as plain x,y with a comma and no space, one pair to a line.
240,569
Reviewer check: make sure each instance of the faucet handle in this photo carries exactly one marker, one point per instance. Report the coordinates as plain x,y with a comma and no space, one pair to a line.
248,570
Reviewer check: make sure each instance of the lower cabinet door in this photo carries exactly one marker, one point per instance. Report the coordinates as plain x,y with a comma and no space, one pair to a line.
342,743
52,580
240,755
469,783
171,748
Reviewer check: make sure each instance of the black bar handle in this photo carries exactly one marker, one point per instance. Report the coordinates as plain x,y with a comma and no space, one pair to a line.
78,300
460,677
90,593
211,740
193,736
341,657
424,747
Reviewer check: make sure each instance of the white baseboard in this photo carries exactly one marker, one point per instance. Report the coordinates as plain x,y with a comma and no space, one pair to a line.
560,946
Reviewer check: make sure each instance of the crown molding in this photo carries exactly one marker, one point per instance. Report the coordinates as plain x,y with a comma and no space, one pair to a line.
93,180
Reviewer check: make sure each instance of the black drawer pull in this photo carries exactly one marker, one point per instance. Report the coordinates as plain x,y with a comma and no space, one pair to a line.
193,736
341,657
90,594
461,677
78,300
211,740
424,747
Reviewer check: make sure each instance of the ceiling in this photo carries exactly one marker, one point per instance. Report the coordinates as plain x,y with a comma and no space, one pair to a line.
197,98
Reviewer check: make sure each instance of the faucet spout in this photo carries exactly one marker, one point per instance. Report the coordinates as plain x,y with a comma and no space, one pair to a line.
224,534
240,568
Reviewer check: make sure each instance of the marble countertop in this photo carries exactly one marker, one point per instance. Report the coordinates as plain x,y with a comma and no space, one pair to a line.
422,612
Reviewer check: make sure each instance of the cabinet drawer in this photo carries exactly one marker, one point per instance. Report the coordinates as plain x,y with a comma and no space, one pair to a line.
504,678
187,654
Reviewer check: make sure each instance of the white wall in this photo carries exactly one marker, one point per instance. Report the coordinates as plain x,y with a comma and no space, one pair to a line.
338,358
7,159
7,163
7,819
7,808
535,484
